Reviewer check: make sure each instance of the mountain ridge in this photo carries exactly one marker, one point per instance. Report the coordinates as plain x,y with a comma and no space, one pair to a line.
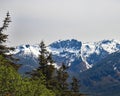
74,53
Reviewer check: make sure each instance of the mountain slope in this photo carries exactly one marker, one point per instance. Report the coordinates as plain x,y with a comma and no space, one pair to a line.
27,56
103,79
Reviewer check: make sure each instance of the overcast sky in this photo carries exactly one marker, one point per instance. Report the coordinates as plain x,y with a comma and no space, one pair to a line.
51,20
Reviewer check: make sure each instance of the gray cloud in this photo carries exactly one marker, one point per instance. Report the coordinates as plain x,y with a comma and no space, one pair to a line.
86,20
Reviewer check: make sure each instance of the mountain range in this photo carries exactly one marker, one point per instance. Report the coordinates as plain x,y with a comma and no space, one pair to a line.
73,53
96,64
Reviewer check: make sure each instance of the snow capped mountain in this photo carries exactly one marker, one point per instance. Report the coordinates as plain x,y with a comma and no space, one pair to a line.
75,54
94,52
27,55
27,49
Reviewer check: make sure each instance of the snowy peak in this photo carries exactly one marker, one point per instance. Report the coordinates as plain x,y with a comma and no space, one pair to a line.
67,44
65,47
110,45
94,52
27,49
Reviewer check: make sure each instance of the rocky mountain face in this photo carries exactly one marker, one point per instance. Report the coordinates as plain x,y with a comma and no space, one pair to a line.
103,79
77,55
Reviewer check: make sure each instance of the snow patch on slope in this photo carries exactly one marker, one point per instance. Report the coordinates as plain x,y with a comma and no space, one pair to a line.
110,45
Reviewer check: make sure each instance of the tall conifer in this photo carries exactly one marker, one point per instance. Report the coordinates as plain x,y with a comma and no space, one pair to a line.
46,67
3,36
45,61
62,77
75,85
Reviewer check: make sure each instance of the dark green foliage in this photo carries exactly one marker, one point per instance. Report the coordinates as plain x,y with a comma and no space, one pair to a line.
75,85
45,61
12,84
49,58
5,24
3,37
62,77
46,67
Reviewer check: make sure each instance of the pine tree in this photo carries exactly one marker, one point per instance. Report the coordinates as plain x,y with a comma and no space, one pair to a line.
45,62
62,77
3,37
75,85
63,85
43,58
46,67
